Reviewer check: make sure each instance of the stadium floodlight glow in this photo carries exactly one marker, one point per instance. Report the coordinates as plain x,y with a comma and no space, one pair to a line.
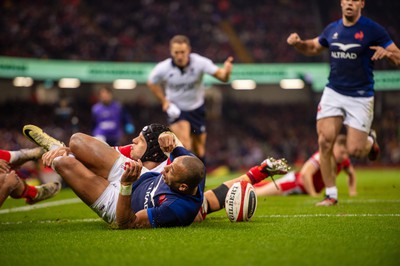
69,83
292,84
244,84
124,84
22,81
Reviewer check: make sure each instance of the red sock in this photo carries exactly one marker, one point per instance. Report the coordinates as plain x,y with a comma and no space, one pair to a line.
256,175
29,192
5,155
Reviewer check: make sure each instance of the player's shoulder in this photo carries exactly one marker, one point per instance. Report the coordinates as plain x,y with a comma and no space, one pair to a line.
368,22
165,64
198,57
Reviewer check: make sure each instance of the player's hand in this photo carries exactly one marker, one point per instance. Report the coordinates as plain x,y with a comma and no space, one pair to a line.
173,111
49,156
132,171
293,39
4,167
228,64
380,53
167,141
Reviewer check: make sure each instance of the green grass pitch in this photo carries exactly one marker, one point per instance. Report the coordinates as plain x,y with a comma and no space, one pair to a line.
361,230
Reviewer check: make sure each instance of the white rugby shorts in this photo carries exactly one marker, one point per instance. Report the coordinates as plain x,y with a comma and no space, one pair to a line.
106,205
357,112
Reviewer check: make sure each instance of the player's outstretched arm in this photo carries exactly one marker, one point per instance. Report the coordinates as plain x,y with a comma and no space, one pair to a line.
391,53
223,74
309,47
351,174
159,93
307,172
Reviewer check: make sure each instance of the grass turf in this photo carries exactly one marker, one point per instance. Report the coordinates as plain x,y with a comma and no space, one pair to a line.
361,230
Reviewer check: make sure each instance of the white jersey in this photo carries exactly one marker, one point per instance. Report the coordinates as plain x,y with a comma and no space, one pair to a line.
183,87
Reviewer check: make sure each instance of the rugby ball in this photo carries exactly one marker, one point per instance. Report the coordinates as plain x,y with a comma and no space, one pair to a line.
240,202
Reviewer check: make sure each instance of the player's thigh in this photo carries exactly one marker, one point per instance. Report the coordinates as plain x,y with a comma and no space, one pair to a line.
96,155
86,184
181,129
328,128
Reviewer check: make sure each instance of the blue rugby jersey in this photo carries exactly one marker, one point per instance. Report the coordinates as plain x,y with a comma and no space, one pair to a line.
351,71
165,207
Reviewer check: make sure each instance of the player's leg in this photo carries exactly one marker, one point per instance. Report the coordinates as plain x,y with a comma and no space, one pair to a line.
357,143
18,157
361,140
96,155
12,185
328,128
268,168
87,185
181,129
199,145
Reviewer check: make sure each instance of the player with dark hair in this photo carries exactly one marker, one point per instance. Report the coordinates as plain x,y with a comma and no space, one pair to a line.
12,185
354,43
183,100
308,179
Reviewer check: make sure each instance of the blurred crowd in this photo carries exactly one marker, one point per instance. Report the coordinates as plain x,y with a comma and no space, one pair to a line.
139,31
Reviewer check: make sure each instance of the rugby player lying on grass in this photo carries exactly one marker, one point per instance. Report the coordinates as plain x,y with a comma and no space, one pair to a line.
124,192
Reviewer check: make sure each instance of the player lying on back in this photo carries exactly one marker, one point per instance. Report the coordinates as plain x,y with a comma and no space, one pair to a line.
124,195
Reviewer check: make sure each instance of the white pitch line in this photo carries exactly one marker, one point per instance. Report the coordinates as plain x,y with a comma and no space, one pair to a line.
89,220
86,220
41,205
329,215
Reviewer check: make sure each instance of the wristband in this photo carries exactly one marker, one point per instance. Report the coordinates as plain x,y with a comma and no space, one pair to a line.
125,190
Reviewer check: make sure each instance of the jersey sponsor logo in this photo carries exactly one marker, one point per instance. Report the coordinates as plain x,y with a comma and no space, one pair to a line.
344,48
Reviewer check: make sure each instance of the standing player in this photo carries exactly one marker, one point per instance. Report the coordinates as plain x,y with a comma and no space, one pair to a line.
354,43
183,100
110,119
309,180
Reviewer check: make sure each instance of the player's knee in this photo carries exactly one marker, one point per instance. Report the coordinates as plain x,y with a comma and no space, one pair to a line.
8,181
324,143
356,151
76,141
63,163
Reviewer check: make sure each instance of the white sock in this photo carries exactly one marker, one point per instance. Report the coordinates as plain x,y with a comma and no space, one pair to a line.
370,140
332,192
13,156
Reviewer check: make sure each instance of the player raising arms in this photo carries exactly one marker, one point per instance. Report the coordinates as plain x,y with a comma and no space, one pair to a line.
183,99
354,43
